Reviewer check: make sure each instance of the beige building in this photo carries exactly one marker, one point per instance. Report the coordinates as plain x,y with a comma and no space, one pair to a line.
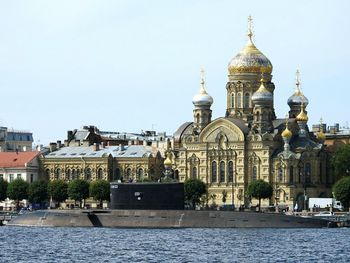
250,142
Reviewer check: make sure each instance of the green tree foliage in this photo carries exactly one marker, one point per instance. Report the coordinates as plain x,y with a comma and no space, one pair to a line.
78,190
57,189
17,190
100,190
194,190
341,161
260,189
38,192
3,189
341,191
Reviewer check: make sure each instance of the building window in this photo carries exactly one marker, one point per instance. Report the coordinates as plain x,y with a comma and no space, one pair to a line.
11,177
307,172
176,174
69,175
230,171
88,174
197,118
1,176
246,100
31,178
18,176
222,172
213,172
280,174
58,174
78,174
239,100
117,174
194,172
258,116
291,175
140,174
128,173
75,174
47,174
232,100
255,173
99,174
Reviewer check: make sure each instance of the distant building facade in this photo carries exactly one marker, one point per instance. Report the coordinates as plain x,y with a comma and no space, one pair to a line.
15,140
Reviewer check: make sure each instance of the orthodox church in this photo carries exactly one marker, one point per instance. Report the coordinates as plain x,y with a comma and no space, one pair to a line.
250,142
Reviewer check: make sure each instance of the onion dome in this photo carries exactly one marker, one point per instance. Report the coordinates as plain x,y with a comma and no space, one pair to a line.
202,98
262,95
287,133
298,97
250,59
321,136
167,161
302,116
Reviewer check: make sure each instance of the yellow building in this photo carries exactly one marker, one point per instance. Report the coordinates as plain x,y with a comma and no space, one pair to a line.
249,142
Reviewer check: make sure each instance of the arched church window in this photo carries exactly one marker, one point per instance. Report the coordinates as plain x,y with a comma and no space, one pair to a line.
239,100
74,174
230,171
194,172
291,175
255,173
258,116
197,118
204,118
213,172
246,100
222,172
232,100
307,172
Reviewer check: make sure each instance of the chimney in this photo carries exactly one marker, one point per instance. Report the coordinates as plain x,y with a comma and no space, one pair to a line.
38,147
96,147
144,143
52,146
69,135
102,145
121,147
59,144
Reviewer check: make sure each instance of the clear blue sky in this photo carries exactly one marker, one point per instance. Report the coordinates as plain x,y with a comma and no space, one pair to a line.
130,65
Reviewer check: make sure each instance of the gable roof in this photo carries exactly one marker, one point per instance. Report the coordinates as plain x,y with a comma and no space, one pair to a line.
14,159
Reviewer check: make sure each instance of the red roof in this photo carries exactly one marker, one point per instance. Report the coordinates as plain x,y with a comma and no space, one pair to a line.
13,159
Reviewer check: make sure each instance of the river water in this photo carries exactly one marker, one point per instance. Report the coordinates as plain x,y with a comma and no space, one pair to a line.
35,244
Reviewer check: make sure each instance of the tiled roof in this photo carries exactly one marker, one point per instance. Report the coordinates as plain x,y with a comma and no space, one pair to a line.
13,159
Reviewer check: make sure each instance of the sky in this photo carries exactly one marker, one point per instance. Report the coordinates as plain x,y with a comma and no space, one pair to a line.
135,65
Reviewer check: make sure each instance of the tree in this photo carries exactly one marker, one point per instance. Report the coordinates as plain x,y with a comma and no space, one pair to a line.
38,192
260,189
17,190
78,190
194,190
341,161
100,190
57,189
341,191
3,189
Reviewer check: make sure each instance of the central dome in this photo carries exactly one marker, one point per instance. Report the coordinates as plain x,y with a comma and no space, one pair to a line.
250,60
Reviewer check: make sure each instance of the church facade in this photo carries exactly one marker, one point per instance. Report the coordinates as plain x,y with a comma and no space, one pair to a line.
249,142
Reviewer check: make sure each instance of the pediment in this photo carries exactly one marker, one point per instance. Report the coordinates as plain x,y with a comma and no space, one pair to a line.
221,128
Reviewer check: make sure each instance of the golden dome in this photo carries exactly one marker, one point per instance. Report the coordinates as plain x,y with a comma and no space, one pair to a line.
250,59
287,133
302,116
321,136
167,161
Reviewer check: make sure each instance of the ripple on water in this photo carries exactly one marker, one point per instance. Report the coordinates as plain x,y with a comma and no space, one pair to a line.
31,244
